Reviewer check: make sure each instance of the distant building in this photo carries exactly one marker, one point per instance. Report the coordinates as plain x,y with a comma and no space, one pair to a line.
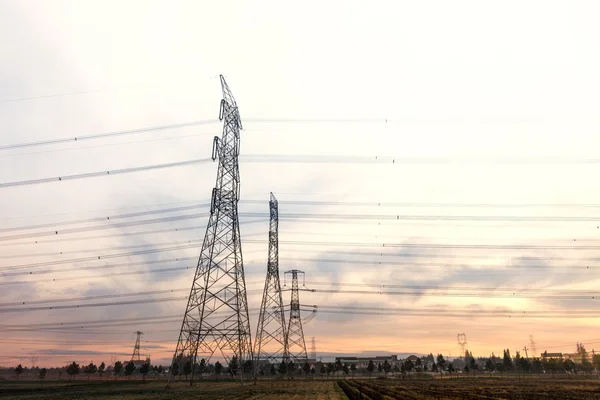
363,362
412,358
551,355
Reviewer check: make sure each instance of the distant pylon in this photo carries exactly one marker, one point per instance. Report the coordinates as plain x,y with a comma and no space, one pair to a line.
462,343
296,345
532,345
313,349
270,342
136,348
216,316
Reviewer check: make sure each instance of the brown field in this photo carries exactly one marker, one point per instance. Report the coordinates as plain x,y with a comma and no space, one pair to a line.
572,387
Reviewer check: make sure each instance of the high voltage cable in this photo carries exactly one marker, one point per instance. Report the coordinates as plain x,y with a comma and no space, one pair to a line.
206,204
106,218
303,159
104,173
106,226
97,267
371,203
94,258
517,292
317,243
108,134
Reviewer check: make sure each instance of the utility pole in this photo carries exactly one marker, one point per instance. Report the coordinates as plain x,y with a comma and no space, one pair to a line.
526,355
216,315
270,342
296,345
136,348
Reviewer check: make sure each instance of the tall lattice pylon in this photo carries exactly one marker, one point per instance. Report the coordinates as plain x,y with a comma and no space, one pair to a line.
216,316
136,348
270,342
296,346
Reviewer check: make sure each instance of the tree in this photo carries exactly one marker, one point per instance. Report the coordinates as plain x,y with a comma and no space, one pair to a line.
507,361
387,367
450,368
72,370
524,364
90,369
19,370
306,368
323,370
537,366
473,365
101,369
272,370
174,369
129,368
202,366
409,366
233,366
345,369
500,367
466,369
489,365
353,369
283,368
218,369
379,368
144,369
419,364
434,367
569,366
117,368
291,367
441,362
43,374
187,368
313,371
371,367
248,367
330,368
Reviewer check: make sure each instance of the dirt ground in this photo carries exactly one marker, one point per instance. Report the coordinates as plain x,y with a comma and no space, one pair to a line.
480,388
156,390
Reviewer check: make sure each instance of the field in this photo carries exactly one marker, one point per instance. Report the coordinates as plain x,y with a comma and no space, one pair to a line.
370,389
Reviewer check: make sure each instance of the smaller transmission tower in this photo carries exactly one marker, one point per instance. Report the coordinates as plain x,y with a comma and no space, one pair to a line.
136,348
532,345
313,349
296,345
462,343
270,342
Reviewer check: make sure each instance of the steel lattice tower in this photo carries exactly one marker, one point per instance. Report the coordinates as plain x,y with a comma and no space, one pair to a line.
462,343
136,348
270,342
216,316
296,346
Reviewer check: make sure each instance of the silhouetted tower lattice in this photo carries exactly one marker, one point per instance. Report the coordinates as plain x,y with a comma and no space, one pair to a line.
296,346
313,349
136,348
216,316
462,343
270,344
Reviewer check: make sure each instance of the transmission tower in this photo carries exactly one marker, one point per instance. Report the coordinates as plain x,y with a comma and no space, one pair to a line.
462,343
313,349
296,346
270,342
216,316
532,345
136,348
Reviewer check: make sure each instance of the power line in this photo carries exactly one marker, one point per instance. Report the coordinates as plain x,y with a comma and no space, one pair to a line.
107,134
104,173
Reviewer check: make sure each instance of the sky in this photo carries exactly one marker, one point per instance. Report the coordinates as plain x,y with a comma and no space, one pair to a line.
448,148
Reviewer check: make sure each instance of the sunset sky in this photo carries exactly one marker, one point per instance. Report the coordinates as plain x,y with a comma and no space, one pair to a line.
450,150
